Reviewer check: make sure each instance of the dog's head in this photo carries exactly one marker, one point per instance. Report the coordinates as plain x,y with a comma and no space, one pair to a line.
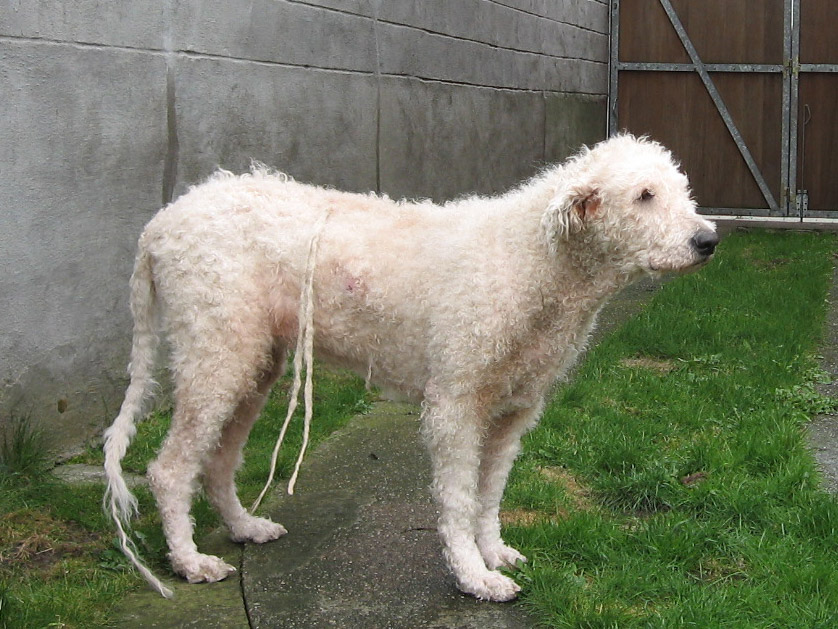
625,202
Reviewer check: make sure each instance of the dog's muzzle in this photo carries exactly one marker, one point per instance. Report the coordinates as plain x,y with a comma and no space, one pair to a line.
704,243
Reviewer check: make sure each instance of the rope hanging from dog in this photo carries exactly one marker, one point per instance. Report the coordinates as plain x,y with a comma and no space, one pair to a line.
304,353
130,550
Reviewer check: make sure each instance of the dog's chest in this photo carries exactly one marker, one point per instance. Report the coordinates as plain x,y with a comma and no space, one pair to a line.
539,358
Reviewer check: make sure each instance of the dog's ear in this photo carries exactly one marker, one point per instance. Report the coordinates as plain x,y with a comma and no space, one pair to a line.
569,212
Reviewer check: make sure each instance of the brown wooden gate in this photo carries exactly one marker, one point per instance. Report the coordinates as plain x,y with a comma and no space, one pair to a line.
816,47
744,92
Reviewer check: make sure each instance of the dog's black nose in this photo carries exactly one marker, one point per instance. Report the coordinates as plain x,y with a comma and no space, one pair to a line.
704,242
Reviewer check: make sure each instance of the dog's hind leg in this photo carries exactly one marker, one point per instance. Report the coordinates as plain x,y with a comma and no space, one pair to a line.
173,478
501,446
220,468
453,434
207,393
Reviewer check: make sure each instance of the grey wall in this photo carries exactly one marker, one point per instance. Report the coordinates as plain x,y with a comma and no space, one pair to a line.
111,109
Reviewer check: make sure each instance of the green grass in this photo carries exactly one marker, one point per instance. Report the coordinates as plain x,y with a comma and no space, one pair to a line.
60,565
52,541
670,485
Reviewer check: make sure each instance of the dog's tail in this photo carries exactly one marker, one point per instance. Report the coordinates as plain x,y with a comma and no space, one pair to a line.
119,502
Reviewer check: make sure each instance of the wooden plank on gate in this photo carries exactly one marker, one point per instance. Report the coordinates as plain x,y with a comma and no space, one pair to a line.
720,105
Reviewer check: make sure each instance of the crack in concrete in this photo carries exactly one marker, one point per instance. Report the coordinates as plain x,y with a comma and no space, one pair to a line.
173,145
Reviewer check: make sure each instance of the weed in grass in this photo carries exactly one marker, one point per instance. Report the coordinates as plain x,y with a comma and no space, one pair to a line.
806,398
23,450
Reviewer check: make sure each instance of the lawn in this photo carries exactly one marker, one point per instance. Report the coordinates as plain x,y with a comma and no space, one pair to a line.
668,485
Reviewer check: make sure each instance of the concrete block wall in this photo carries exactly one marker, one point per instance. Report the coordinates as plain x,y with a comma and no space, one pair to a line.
111,109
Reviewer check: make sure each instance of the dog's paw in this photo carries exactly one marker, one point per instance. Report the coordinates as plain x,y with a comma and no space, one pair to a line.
491,586
198,568
502,556
258,530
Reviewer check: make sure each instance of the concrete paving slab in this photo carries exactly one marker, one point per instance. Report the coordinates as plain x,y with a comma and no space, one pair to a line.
208,606
81,474
822,432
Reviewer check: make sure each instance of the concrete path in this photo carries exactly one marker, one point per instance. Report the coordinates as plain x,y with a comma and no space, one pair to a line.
823,430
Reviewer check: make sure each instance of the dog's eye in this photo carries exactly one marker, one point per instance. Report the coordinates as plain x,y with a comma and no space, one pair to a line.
646,195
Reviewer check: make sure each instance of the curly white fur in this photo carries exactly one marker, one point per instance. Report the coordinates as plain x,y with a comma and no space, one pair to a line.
473,308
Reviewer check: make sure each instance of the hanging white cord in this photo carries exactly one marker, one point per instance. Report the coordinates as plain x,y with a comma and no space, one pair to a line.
307,392
304,350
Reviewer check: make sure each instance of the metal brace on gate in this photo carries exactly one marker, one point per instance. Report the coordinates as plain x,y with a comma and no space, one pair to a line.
701,69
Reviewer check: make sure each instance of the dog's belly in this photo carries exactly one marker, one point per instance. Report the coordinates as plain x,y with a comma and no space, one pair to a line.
395,385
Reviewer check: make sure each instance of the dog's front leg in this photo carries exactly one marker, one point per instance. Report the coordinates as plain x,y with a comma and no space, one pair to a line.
501,446
453,434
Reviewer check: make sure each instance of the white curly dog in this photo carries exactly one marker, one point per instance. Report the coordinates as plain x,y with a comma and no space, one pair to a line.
473,308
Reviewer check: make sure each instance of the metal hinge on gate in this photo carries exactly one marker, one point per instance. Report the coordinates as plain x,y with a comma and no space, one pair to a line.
802,202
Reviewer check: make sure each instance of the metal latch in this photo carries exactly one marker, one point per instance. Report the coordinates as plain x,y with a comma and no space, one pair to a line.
802,202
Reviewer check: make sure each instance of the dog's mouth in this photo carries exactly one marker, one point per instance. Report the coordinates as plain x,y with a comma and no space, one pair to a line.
699,263
704,260
660,269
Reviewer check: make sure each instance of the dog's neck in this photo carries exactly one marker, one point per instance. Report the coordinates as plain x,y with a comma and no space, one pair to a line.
579,265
